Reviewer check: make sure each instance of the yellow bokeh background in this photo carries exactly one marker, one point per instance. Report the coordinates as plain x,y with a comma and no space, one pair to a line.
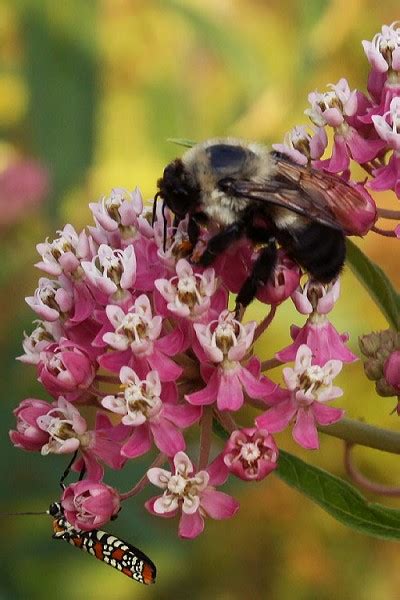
137,72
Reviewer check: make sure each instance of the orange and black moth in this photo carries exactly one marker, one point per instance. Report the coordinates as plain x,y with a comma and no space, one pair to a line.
105,547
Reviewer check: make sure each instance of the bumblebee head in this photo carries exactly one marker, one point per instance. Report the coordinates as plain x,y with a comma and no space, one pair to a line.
178,189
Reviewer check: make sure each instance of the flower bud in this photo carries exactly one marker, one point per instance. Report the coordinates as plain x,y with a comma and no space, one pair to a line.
28,435
382,349
88,504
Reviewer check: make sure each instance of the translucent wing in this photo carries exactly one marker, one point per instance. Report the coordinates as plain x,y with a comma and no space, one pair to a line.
317,195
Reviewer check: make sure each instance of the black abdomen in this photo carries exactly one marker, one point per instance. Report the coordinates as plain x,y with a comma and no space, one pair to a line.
319,249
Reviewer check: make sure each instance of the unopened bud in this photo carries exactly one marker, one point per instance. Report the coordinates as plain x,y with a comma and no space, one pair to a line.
382,349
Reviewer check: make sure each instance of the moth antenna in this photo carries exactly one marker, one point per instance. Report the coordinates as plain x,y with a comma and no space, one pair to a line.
153,217
17,514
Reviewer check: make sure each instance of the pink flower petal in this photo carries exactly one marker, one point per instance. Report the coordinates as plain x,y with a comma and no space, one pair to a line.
207,395
139,443
218,505
149,505
190,526
278,417
167,437
325,415
181,415
218,471
230,393
304,431
167,369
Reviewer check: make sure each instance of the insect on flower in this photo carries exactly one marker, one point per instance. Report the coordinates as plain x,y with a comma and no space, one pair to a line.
102,545
106,547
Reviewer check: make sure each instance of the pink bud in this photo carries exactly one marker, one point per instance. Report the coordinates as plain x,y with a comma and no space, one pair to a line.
88,504
392,370
28,435
251,454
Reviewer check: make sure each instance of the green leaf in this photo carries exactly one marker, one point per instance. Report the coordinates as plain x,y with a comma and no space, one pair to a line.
182,142
62,79
376,282
339,498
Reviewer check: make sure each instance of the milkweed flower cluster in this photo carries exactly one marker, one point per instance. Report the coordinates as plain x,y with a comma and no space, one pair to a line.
137,345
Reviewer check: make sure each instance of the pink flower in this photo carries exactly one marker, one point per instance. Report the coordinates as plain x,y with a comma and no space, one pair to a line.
318,333
282,284
226,342
119,213
65,368
136,337
191,493
65,428
387,177
24,184
112,272
334,108
388,125
251,454
310,386
392,370
383,52
88,505
63,255
142,409
28,435
188,294
44,334
51,300
301,146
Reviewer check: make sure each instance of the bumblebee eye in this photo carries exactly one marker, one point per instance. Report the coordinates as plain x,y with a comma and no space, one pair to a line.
226,159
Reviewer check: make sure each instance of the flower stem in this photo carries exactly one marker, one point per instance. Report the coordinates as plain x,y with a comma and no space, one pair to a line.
356,432
265,323
270,364
385,232
108,379
362,481
141,484
384,213
227,421
205,437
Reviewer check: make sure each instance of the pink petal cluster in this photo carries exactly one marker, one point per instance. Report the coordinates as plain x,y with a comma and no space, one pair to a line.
192,494
88,505
309,387
251,454
139,349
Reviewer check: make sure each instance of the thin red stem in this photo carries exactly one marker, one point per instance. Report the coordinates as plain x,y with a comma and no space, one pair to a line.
265,323
205,437
108,379
364,482
141,484
384,232
227,421
384,213
272,363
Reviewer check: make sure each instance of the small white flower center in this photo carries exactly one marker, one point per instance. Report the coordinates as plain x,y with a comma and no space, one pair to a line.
134,327
140,399
250,452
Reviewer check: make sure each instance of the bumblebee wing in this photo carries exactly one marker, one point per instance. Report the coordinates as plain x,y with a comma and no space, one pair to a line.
285,195
318,196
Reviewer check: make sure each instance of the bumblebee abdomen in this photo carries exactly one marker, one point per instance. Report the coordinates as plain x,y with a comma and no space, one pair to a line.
320,250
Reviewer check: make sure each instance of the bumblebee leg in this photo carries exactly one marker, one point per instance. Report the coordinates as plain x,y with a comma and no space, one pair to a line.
258,235
193,229
262,270
220,242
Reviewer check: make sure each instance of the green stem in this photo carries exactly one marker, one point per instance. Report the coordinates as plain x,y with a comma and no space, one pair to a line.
356,432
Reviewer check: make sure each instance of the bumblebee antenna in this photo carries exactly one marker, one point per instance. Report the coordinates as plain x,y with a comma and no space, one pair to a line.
153,217
164,206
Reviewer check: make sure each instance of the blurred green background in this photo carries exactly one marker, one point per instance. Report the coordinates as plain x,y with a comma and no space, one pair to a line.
93,90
